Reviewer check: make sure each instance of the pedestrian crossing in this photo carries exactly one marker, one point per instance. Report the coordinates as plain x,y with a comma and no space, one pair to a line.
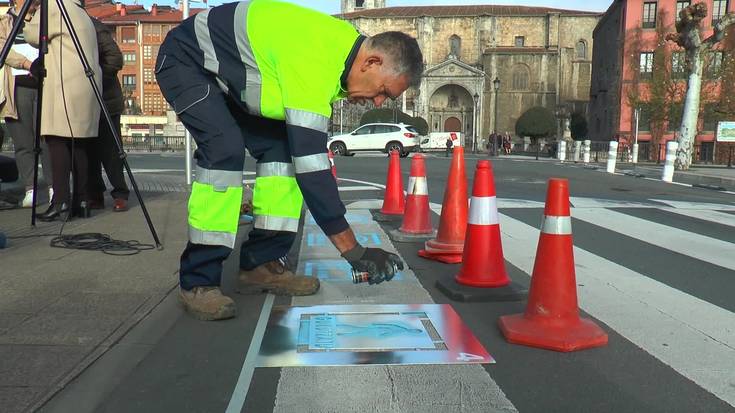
655,282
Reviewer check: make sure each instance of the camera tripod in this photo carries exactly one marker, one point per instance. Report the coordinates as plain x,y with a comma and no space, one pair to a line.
88,71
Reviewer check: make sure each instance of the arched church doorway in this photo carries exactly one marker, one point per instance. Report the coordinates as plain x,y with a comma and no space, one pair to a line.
452,124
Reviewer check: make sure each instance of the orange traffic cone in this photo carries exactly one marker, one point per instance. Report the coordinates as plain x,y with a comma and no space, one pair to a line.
394,202
331,162
482,276
417,217
551,320
448,245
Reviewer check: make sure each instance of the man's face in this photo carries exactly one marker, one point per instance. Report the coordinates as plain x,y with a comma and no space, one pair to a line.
376,82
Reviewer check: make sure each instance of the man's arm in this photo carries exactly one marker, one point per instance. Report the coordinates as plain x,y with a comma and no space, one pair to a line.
111,58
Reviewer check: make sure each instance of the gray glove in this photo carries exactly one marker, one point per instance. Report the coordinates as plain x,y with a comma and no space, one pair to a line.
379,264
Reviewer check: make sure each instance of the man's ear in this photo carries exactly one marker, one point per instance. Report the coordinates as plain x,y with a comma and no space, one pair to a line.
372,60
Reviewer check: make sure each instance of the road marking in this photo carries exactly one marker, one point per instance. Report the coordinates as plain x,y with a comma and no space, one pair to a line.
683,242
356,181
692,336
357,188
696,205
717,217
237,401
579,202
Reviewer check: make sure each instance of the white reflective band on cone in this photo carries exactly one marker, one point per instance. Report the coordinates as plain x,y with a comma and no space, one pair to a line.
417,186
556,225
483,211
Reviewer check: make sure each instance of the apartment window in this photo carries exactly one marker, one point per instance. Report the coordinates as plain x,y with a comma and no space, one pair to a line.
676,109
128,80
646,64
359,4
649,15
644,121
129,58
678,65
581,50
681,5
455,46
148,76
520,41
719,9
127,35
147,52
714,63
710,117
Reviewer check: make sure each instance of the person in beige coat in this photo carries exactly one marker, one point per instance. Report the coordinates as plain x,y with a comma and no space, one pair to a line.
70,111
18,107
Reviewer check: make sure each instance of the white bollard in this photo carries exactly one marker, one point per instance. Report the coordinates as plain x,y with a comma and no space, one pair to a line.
577,150
668,174
612,157
635,153
562,150
586,151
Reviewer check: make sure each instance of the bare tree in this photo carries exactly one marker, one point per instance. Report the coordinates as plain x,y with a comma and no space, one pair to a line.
688,36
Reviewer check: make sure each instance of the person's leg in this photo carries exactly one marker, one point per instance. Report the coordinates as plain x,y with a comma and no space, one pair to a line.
96,186
81,175
23,134
60,153
111,159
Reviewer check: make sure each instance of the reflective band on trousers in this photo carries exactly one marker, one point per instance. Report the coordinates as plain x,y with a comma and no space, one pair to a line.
198,236
417,186
219,179
483,211
309,120
274,169
205,42
556,225
276,223
253,79
311,163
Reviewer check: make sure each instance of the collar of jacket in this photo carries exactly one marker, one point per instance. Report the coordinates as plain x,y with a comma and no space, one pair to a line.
350,61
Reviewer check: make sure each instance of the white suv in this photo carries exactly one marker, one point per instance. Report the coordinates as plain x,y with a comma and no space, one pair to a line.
384,137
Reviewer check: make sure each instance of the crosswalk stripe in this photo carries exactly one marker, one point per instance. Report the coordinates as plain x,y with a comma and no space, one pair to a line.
717,217
692,336
694,245
696,205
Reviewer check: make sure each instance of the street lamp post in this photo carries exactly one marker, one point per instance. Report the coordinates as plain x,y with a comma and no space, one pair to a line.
475,103
496,88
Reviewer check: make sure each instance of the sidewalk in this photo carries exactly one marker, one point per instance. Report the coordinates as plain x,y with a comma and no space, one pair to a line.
61,309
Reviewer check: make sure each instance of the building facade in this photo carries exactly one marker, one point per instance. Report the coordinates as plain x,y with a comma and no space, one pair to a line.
628,48
541,57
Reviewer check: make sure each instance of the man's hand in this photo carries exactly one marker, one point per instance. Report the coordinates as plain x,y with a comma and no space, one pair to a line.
379,264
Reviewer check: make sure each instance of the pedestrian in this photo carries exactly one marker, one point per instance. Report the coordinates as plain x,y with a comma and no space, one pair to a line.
449,147
70,112
18,106
268,86
103,150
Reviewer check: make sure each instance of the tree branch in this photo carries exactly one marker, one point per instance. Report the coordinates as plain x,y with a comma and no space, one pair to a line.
720,29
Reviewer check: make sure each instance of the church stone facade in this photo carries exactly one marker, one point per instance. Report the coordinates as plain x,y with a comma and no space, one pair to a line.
541,56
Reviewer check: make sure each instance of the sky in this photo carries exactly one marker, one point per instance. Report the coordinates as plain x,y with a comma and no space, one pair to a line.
332,6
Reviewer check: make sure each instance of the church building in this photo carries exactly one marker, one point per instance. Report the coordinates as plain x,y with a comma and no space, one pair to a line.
488,62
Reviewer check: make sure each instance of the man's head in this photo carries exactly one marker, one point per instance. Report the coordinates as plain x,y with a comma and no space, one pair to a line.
386,65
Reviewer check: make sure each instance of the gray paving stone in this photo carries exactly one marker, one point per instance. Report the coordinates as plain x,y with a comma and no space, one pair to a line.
31,365
16,399
28,300
104,304
62,329
10,320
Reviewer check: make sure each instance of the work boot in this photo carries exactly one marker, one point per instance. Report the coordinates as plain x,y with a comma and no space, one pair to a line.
207,303
274,277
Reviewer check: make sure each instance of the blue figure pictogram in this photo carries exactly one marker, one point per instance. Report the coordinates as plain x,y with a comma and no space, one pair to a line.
378,330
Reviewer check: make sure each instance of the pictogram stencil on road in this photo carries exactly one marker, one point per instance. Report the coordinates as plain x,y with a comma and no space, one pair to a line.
318,239
337,335
334,270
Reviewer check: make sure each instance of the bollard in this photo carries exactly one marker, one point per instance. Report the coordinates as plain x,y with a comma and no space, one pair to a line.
577,150
635,153
562,150
612,157
586,151
668,174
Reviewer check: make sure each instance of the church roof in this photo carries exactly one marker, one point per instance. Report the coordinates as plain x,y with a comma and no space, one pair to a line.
460,11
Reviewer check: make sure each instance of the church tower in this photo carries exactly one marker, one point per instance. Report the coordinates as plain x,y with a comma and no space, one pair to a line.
356,5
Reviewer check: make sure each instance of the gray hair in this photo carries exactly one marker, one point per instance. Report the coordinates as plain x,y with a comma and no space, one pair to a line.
403,51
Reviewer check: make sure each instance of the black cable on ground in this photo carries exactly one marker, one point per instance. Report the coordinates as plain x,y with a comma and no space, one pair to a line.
94,241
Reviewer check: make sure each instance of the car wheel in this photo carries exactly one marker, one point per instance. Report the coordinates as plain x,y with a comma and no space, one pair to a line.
394,146
404,154
338,149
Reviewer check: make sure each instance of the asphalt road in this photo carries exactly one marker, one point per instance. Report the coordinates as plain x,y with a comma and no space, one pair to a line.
656,276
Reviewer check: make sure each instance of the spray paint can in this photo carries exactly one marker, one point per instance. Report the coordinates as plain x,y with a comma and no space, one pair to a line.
360,276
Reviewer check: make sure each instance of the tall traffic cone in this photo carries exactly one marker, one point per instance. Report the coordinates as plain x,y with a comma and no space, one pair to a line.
331,162
482,276
417,217
448,245
551,320
394,202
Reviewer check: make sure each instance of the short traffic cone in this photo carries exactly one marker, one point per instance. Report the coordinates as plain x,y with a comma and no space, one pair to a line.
417,217
482,276
448,245
551,320
331,162
394,202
